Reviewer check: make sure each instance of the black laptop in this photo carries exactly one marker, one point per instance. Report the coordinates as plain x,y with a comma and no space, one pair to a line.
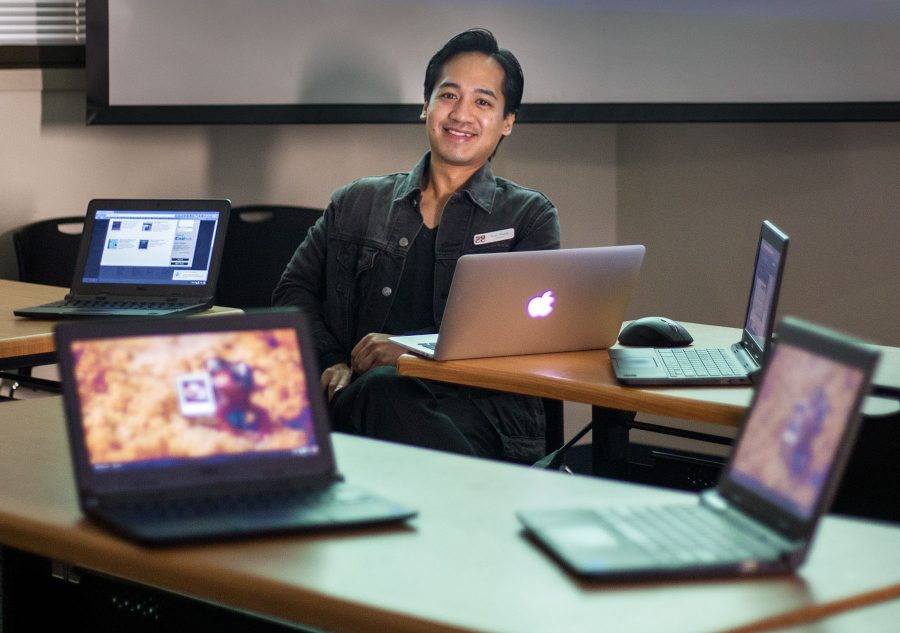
784,469
144,258
734,365
210,427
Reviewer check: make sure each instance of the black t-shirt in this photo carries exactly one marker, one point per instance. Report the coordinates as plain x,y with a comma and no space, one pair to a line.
412,311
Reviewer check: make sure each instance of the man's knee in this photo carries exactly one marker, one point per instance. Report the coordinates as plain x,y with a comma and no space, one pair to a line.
379,377
378,394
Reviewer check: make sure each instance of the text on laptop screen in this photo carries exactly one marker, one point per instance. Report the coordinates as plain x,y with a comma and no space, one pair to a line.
157,400
762,295
151,247
792,434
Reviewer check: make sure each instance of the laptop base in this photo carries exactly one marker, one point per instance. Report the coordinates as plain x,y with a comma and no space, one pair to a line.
59,310
648,367
338,505
599,543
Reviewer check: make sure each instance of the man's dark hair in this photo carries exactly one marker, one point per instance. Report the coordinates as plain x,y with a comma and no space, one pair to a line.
480,41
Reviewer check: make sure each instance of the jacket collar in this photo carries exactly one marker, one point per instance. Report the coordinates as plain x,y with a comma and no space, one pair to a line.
480,187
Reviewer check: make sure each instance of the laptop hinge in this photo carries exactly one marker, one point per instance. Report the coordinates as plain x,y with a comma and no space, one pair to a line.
86,297
717,503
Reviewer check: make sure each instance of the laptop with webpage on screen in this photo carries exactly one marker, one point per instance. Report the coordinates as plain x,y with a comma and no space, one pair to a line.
735,365
785,467
183,429
144,258
532,302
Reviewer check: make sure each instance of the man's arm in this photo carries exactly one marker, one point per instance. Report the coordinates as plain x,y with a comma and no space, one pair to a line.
541,232
335,378
303,284
374,350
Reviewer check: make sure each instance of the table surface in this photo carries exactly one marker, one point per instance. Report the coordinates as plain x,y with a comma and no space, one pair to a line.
462,565
22,337
587,377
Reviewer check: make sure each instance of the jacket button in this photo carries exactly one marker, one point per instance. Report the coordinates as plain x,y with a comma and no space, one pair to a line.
404,242
386,291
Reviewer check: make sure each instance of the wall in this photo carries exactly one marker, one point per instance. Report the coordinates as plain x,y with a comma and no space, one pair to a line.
696,194
693,193
51,164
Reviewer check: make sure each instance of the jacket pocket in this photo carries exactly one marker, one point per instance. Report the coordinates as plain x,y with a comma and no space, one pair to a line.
354,259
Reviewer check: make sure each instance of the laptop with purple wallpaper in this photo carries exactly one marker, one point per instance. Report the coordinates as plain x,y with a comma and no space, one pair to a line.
785,467
734,365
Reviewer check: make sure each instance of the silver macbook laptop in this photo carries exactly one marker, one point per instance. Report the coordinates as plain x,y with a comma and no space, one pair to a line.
735,365
212,427
532,302
144,258
783,472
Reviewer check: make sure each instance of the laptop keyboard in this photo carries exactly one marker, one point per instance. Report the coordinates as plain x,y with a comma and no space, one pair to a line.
714,361
120,305
684,534
430,346
181,507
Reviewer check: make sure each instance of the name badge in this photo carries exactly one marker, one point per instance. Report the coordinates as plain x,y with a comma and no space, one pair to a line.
495,236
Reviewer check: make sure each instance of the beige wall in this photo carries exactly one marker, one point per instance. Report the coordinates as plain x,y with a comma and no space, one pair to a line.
51,163
693,193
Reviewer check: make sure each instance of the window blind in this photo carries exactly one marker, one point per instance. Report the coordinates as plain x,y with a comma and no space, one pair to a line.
39,23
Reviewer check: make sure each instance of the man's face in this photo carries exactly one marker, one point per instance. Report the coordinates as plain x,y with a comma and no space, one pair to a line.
464,116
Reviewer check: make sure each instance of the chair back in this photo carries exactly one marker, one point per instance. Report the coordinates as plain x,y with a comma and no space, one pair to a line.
46,250
258,245
873,470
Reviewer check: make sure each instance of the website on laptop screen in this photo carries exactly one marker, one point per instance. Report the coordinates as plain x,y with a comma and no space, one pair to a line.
793,433
151,247
150,401
762,296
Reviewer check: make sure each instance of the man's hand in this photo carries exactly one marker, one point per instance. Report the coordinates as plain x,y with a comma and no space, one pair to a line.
374,350
335,378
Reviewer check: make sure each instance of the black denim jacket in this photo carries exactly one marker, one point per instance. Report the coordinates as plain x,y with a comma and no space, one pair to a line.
344,273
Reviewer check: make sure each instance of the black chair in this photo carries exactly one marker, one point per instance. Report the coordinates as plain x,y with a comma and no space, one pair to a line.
869,486
46,250
259,243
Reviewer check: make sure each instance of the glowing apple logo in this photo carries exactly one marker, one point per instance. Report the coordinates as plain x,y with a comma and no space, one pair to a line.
541,305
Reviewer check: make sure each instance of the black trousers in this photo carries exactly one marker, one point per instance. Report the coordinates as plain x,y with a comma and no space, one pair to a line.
384,405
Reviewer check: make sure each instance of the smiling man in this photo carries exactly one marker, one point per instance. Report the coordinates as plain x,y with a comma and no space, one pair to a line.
380,260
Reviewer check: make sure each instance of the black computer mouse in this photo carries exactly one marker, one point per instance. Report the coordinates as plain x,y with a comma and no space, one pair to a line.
655,331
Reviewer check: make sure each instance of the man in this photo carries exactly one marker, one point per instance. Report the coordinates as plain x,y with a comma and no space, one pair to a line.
380,261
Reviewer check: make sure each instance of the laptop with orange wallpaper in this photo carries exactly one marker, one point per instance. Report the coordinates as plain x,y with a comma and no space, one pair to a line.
195,428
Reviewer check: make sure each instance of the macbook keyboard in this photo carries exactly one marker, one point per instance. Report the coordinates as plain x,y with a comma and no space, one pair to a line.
684,534
714,361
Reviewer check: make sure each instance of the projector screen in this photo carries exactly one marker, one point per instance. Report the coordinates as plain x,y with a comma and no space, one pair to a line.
283,61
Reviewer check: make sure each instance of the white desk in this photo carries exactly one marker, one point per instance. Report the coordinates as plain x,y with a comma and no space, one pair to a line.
462,565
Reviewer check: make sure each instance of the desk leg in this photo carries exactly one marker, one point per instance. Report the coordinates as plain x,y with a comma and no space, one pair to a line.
609,444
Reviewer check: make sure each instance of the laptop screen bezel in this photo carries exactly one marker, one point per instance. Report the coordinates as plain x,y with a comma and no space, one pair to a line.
205,290
842,350
266,467
772,235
